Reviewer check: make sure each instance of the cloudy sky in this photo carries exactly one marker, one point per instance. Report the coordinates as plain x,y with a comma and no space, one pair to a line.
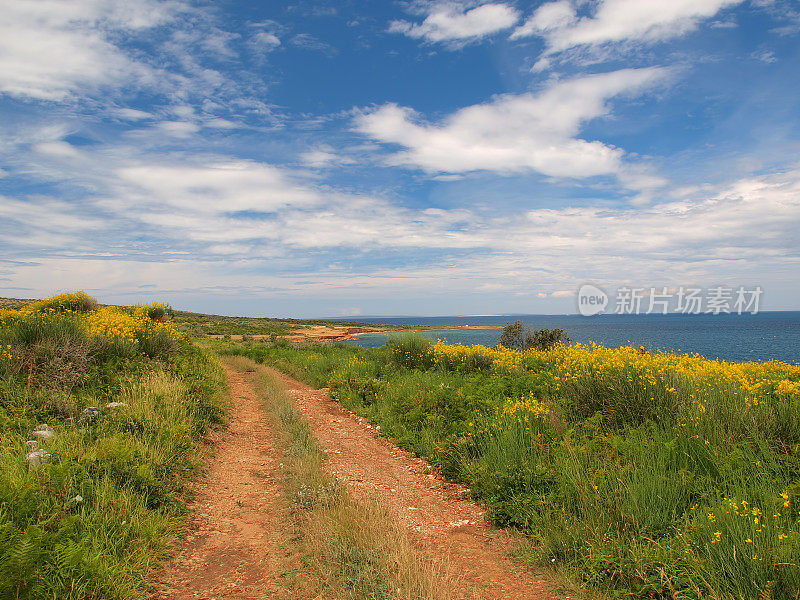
305,158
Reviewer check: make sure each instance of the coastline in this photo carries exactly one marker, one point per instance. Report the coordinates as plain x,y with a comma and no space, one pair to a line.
324,333
354,334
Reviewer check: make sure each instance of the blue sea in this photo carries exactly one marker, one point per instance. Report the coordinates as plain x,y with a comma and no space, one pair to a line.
761,337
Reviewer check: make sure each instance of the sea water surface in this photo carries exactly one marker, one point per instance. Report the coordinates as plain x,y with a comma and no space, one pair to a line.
760,337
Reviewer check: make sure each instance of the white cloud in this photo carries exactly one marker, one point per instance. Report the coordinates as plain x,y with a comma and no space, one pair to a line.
267,38
216,42
131,114
265,41
615,21
51,49
767,56
78,50
230,249
183,111
740,231
361,222
217,123
46,214
209,187
57,148
514,133
549,17
318,158
178,128
185,221
324,156
217,201
448,22
309,42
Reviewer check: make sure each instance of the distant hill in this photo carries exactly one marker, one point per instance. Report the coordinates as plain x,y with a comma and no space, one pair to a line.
200,324
14,303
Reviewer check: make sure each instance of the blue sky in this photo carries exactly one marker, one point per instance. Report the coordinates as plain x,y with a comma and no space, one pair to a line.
416,158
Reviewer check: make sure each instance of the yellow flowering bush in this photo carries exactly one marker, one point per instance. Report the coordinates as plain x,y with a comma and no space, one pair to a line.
112,323
758,543
456,357
76,302
7,315
132,331
523,409
358,375
89,509
68,325
632,384
6,357
524,417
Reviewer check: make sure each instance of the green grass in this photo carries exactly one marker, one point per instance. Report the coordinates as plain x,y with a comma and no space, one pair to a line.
641,480
97,518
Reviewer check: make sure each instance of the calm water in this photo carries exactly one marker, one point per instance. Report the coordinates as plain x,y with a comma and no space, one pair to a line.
765,336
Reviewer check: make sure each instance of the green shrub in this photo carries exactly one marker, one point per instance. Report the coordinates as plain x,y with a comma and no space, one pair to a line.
44,329
159,312
107,349
157,344
515,336
411,350
77,302
54,347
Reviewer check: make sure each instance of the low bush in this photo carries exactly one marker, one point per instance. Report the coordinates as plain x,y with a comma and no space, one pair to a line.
77,302
411,350
158,312
516,336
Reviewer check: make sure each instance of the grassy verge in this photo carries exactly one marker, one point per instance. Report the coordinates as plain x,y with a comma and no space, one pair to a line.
349,549
648,475
102,416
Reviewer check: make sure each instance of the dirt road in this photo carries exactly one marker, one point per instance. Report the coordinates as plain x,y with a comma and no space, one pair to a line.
237,551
